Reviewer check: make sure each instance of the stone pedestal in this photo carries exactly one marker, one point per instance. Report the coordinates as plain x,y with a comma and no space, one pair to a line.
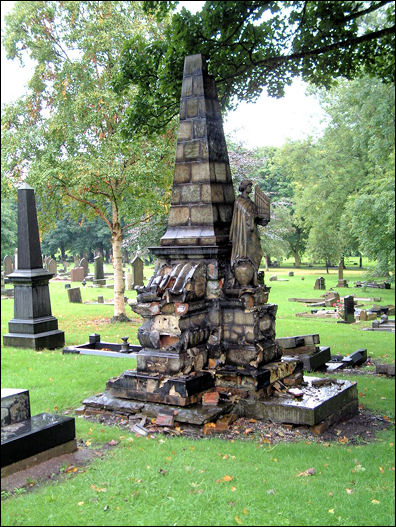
33,325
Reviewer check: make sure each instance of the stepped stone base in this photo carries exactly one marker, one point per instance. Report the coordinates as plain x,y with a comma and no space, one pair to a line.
30,437
327,402
182,390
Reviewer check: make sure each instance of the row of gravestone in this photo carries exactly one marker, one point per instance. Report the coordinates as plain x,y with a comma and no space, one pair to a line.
81,269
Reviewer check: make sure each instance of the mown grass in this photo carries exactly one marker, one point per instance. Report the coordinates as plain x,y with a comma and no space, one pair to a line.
164,480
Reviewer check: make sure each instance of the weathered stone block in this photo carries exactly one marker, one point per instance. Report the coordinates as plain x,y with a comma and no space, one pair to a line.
203,215
187,87
197,85
175,200
179,152
199,129
74,295
185,130
192,107
179,216
190,193
191,150
181,174
200,172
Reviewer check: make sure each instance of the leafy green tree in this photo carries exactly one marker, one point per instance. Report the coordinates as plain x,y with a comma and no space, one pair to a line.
80,237
9,227
352,165
254,46
65,137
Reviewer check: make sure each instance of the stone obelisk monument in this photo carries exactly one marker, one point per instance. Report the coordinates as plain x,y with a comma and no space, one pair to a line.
33,325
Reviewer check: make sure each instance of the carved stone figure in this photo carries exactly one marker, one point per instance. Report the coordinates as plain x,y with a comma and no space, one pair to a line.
244,235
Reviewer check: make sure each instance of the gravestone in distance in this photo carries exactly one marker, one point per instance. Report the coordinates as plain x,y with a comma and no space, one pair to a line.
85,266
8,264
137,267
74,295
77,274
33,325
99,278
349,310
129,281
320,283
52,267
341,282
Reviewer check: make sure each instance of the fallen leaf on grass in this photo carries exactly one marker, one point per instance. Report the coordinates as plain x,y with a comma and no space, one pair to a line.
308,472
350,491
227,478
233,489
113,442
271,491
238,520
343,440
358,468
245,511
375,502
71,468
381,469
248,431
331,511
80,503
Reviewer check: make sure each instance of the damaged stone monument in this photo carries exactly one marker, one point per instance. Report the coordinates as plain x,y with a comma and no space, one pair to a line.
208,326
33,325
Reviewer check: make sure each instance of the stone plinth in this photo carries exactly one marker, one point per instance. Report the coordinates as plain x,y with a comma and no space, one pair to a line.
35,435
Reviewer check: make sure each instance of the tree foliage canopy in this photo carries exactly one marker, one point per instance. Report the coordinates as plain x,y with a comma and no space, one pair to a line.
253,46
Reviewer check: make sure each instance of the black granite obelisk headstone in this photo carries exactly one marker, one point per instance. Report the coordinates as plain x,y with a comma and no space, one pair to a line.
33,325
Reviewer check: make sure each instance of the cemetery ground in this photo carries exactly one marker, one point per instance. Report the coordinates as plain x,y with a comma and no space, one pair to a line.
259,474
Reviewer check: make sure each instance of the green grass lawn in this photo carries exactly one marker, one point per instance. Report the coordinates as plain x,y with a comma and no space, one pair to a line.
163,480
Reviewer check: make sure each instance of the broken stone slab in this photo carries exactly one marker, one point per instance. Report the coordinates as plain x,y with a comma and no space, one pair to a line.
314,360
15,406
305,300
195,414
316,404
356,358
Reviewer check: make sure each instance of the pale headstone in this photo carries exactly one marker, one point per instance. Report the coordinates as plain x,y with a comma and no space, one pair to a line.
84,264
8,265
52,267
77,274
128,281
74,295
137,267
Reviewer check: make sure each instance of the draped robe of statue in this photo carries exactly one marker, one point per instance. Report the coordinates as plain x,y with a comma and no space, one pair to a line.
244,233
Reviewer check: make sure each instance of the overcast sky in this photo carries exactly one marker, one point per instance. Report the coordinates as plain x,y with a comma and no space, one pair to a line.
268,122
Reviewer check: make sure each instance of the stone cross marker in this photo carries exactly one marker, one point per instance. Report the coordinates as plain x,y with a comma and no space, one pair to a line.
8,265
137,267
84,264
33,325
341,281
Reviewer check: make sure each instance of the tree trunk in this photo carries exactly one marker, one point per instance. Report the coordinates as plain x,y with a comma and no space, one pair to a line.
119,288
360,261
327,266
297,261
